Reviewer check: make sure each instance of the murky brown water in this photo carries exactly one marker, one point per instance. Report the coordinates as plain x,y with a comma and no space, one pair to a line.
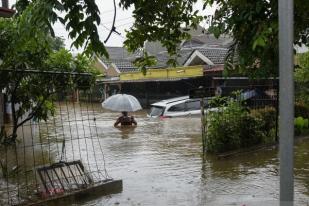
160,163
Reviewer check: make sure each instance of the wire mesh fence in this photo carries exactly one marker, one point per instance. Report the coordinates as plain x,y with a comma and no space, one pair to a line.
55,148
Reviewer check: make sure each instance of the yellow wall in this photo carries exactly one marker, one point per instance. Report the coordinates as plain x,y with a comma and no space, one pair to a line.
178,72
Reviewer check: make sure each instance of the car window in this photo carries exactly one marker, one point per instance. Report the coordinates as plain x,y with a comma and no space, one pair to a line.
156,111
177,108
193,105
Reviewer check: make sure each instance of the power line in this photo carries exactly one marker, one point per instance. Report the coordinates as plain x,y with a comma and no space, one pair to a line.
107,11
124,24
108,29
105,27
123,19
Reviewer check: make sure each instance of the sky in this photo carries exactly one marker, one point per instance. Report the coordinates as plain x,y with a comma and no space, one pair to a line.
124,21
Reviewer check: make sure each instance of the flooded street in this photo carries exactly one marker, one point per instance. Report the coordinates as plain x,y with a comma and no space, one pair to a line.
160,163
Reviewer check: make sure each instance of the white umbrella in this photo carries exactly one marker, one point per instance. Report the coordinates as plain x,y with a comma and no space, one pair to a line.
122,103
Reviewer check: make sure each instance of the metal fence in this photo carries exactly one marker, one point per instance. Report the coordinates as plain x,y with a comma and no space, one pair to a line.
57,152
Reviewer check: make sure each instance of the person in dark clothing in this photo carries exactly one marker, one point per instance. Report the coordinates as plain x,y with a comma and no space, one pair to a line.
125,120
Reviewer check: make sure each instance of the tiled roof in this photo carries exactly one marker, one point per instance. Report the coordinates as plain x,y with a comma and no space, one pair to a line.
124,61
192,43
199,38
120,53
210,40
123,65
184,53
216,55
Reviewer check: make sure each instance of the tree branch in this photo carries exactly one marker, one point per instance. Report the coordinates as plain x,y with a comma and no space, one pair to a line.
30,116
113,26
34,111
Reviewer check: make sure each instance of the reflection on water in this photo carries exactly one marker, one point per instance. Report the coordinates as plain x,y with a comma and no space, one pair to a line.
160,163
126,131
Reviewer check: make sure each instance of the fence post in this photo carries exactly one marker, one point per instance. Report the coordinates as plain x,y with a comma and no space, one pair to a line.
203,126
286,102
1,110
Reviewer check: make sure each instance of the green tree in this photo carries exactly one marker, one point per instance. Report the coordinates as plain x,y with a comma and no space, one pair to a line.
154,21
25,72
57,43
254,28
81,20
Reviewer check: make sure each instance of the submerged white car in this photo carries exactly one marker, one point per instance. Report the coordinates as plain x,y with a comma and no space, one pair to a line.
180,106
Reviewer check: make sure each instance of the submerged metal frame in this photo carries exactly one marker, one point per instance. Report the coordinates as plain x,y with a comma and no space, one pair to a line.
81,177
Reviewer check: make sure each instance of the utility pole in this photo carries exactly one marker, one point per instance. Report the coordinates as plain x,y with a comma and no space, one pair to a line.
286,102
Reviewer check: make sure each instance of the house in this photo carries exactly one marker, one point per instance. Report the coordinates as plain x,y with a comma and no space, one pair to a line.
200,63
4,9
160,81
197,56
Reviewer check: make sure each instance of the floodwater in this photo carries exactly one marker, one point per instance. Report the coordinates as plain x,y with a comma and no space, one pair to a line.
160,163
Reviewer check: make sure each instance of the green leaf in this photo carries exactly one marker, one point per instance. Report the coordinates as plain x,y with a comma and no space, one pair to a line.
260,41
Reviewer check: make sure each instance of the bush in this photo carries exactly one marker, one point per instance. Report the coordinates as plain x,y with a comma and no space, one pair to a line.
301,125
218,101
268,117
301,110
234,127
251,132
222,134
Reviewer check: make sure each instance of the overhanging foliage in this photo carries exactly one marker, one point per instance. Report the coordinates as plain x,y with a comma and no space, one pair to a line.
31,72
252,24
254,28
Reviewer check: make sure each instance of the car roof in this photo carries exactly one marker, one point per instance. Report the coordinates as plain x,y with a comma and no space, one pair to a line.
169,101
